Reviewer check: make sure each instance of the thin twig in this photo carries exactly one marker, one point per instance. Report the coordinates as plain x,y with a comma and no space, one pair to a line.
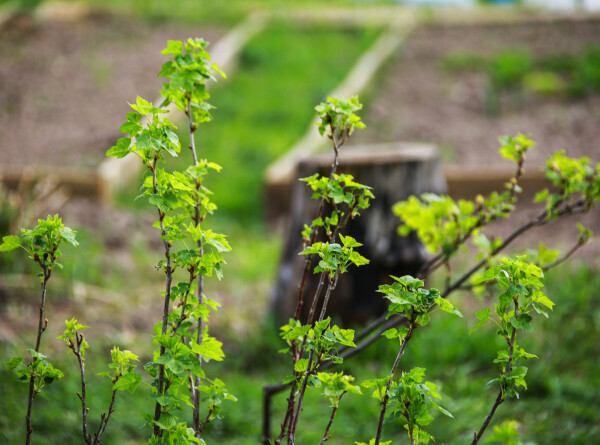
206,420
83,397
298,410
540,220
477,436
42,324
200,288
167,299
105,417
386,397
326,435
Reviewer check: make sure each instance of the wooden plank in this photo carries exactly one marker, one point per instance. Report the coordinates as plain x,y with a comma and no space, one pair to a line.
281,171
77,183
469,181
115,173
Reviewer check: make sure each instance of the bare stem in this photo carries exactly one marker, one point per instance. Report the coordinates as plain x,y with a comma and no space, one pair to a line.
165,317
84,410
206,420
183,304
298,410
326,435
316,299
477,436
386,397
200,288
289,413
42,323
105,418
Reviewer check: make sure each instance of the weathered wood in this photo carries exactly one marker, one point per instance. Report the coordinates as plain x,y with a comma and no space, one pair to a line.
469,181
395,171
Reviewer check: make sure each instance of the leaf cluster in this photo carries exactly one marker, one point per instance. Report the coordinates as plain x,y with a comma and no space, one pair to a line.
521,295
187,71
337,117
39,369
42,242
345,196
410,299
411,400
335,385
150,141
336,258
575,179
444,224
322,338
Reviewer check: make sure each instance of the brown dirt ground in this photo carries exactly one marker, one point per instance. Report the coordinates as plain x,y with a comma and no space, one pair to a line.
417,100
64,87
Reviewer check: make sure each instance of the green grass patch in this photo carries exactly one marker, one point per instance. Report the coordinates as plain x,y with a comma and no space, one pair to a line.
516,71
206,11
268,103
560,405
265,107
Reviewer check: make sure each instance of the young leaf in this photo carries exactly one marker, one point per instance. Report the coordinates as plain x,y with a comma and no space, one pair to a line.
483,316
10,242
128,382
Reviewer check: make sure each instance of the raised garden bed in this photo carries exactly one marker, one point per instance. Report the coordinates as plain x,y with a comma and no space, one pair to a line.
420,99
64,86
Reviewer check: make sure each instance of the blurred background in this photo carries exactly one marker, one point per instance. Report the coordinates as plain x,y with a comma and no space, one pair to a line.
454,73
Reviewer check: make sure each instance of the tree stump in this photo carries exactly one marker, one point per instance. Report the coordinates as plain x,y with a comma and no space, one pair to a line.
394,171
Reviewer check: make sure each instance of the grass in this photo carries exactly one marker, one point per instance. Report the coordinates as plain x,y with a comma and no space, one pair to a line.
514,71
560,406
267,105
192,11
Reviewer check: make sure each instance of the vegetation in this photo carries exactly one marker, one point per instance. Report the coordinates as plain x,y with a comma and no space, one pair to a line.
514,72
187,402
287,60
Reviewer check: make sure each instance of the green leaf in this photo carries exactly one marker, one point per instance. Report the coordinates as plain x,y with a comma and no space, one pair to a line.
14,363
348,241
215,67
174,47
211,348
121,149
164,202
522,321
483,316
10,242
301,365
539,297
545,255
488,275
446,306
128,382
68,235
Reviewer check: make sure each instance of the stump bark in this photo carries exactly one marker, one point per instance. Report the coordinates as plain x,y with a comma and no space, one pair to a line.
394,171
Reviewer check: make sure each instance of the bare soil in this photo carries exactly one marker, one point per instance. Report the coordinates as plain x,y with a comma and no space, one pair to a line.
417,100
64,89
64,86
